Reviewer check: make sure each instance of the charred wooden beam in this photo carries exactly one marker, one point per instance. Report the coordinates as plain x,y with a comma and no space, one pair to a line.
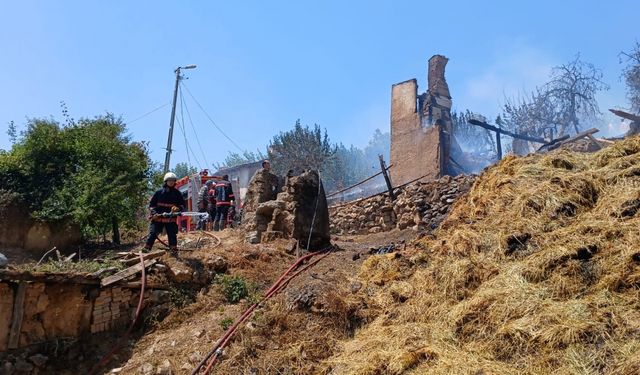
506,132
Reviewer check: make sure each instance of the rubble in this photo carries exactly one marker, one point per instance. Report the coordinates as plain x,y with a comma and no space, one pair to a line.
419,205
299,209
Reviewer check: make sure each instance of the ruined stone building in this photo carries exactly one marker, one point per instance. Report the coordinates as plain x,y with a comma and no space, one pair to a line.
421,128
295,207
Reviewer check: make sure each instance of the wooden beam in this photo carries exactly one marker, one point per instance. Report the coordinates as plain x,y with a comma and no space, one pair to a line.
510,134
580,135
625,115
151,255
18,315
126,273
383,167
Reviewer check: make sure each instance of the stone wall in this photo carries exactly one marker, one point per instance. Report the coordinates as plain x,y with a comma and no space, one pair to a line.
419,205
19,230
62,310
299,211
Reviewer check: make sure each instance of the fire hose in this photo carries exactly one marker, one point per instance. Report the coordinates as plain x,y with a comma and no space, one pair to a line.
282,281
116,348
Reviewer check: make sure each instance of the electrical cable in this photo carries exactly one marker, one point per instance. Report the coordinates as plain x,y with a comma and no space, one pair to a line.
210,119
148,113
186,107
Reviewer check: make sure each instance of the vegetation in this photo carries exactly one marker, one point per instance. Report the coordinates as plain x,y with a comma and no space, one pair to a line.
305,148
631,75
561,105
234,288
184,169
87,171
226,323
81,266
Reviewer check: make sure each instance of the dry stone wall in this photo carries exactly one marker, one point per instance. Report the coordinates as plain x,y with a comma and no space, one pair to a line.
419,205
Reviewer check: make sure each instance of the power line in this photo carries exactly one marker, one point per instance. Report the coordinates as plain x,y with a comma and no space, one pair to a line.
184,133
210,119
148,113
186,107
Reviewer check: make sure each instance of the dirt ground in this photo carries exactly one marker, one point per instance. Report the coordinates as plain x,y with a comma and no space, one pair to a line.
178,343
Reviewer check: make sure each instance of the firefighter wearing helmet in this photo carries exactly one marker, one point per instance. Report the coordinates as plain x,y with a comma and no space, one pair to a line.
164,203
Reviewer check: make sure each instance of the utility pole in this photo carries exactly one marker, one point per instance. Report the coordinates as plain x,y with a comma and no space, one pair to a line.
167,158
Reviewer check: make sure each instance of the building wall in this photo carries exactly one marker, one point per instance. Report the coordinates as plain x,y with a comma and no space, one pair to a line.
64,310
415,150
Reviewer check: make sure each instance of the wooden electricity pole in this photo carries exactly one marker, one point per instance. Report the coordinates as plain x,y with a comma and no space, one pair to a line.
383,166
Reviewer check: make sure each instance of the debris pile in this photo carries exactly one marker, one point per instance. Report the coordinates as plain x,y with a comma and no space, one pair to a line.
299,211
536,270
421,205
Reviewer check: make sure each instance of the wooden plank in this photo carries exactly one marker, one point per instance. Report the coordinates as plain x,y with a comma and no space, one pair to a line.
18,315
151,255
126,273
625,115
580,135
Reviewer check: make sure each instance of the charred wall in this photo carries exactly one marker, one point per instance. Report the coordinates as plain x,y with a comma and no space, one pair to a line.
421,127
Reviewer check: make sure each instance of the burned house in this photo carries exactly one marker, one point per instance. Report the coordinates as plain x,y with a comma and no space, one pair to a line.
422,142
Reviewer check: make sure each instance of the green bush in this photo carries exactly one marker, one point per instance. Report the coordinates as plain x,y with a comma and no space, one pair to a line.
226,323
234,288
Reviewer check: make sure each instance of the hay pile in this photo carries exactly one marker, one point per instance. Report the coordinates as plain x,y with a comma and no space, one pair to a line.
536,270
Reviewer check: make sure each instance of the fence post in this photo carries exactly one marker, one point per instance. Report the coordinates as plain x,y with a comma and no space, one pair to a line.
383,166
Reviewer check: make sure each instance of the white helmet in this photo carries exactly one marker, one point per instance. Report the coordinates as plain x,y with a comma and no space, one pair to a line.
170,176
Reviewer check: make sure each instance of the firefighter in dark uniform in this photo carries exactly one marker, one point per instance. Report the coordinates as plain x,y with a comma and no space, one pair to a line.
164,201
224,197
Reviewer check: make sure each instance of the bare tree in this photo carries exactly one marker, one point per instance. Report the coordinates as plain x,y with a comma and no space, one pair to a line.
572,92
631,74
559,105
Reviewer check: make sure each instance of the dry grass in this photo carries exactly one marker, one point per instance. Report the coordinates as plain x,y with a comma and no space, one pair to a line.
536,270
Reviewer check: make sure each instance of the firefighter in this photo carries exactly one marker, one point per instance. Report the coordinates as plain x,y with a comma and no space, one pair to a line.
203,202
211,207
224,197
164,201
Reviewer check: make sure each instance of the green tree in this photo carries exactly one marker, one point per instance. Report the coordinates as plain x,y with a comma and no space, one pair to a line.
235,158
183,170
89,171
379,144
12,132
301,148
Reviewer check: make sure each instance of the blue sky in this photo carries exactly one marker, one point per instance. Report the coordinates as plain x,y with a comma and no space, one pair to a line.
264,64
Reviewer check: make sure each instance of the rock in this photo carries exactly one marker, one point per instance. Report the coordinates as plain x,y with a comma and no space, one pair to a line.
23,366
356,286
160,296
199,333
450,200
7,368
3,260
180,275
39,360
375,230
217,264
164,368
355,257
117,370
253,237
